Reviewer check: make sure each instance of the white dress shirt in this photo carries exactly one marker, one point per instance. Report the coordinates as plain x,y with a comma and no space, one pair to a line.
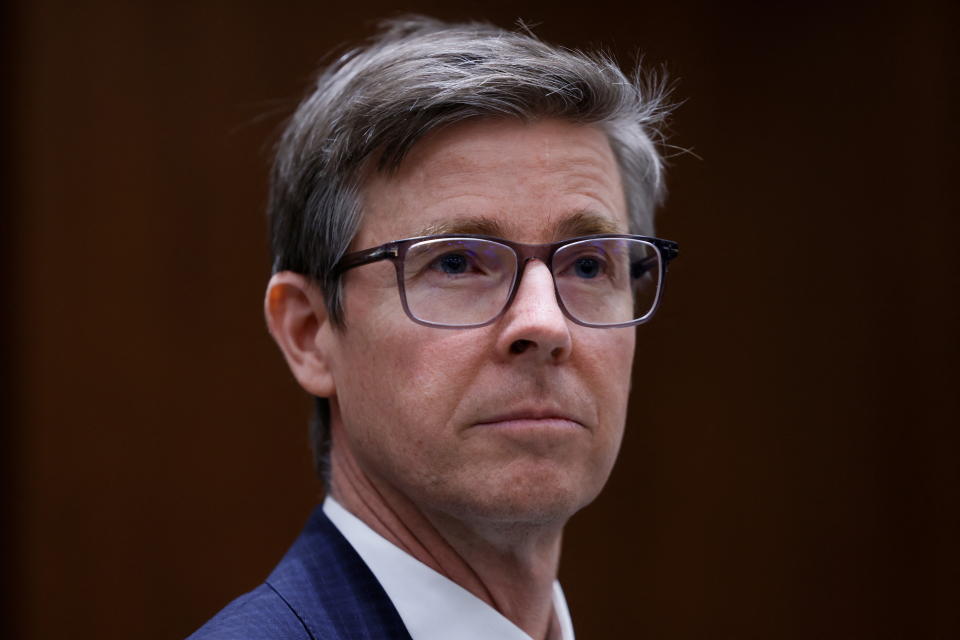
431,606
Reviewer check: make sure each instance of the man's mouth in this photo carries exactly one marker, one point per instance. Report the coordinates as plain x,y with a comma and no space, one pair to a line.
531,419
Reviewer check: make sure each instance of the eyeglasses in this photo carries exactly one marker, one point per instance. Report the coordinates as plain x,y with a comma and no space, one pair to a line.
464,281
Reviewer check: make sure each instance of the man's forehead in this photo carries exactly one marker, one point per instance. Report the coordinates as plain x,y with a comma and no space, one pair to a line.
522,181
563,225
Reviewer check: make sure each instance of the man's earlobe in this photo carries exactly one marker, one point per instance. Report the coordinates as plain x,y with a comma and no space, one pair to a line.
297,319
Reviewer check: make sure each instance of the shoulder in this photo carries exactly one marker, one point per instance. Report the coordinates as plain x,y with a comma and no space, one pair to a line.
321,590
259,614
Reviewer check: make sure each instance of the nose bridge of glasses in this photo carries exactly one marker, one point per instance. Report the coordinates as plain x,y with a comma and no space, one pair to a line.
547,288
528,252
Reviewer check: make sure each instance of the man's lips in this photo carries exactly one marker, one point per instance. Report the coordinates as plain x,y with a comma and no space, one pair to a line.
530,419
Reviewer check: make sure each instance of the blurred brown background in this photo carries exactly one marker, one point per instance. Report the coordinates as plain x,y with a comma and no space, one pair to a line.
791,463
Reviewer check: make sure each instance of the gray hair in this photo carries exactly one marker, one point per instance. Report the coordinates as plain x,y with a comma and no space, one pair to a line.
371,106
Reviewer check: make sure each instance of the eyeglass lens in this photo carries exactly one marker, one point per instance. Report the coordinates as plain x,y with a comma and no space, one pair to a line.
466,281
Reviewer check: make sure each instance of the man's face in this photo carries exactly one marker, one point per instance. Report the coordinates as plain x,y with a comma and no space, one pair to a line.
518,421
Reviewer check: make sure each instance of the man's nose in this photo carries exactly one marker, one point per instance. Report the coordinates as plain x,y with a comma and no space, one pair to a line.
534,324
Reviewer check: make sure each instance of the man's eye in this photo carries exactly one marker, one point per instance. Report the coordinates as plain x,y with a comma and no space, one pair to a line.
640,268
452,263
587,267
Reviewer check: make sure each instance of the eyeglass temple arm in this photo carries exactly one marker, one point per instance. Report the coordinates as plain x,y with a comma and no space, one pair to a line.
360,258
669,249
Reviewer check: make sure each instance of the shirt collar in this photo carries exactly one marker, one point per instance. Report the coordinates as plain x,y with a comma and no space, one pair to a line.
432,606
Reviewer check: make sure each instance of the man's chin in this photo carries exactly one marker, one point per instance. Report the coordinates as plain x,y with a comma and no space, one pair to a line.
544,496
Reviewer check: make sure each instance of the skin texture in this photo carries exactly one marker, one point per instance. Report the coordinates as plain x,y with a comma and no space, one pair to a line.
471,449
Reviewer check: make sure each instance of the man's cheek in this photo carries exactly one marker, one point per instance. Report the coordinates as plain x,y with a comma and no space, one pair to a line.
441,375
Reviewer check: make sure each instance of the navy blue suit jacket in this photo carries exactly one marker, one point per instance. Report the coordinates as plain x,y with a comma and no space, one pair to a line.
321,590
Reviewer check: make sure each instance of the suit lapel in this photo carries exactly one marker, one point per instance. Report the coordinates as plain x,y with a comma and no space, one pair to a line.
328,586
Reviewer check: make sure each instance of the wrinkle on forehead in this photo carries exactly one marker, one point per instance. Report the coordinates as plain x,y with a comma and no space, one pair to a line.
578,223
551,179
451,154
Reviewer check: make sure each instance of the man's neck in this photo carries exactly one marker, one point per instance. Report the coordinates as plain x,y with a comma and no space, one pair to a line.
510,567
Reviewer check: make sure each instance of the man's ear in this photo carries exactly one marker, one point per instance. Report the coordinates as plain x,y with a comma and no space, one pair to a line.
298,321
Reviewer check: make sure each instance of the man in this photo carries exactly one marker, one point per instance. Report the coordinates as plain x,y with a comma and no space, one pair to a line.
453,280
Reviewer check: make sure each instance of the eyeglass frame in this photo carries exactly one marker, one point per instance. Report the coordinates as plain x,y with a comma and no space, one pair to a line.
396,252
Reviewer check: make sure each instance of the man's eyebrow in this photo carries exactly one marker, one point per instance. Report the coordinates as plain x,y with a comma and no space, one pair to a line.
586,223
580,223
478,225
